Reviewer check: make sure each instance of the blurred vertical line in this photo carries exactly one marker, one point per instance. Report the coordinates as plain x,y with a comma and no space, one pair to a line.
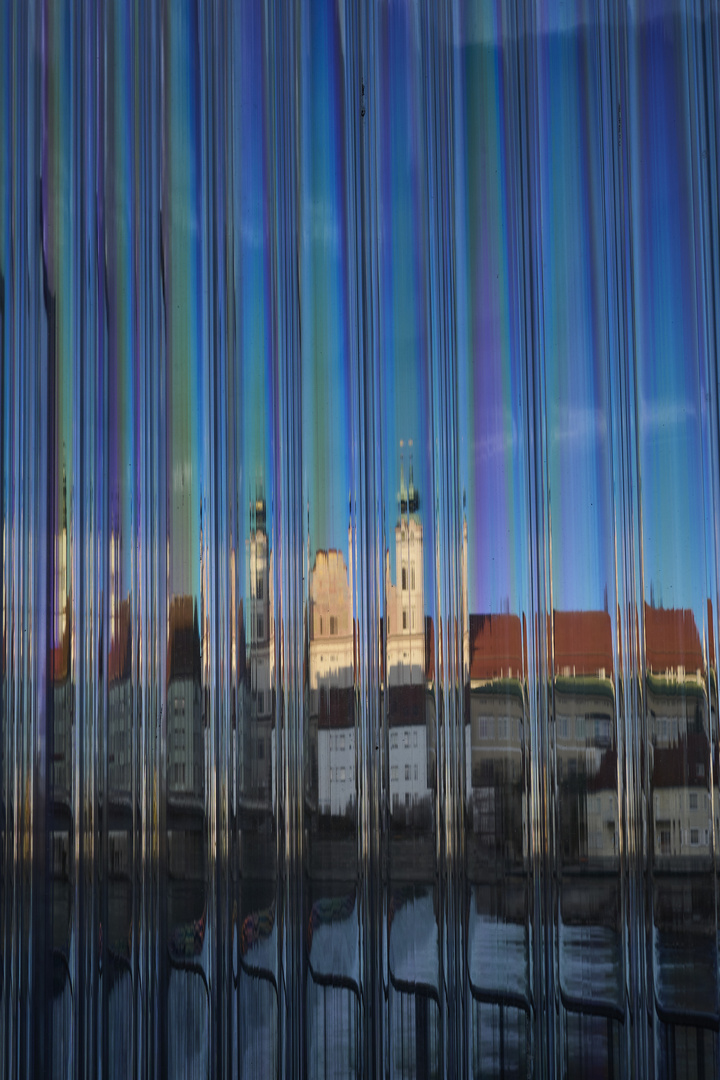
149,288
702,73
710,158
291,568
358,563
94,176
158,511
231,538
26,207
448,539
208,363
627,516
370,549
220,565
539,648
617,374
6,65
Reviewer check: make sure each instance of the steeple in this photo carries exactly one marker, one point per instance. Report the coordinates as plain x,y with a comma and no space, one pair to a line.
402,496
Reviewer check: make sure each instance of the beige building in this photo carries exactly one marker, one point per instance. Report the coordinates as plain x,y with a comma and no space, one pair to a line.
679,744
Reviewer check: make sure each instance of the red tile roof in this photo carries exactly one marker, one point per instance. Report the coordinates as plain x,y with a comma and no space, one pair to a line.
583,642
672,640
496,647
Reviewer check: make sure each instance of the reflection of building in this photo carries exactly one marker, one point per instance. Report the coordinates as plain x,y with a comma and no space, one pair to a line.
404,598
337,777
495,754
679,739
332,660
120,700
331,683
408,758
256,664
585,736
409,663
61,661
185,743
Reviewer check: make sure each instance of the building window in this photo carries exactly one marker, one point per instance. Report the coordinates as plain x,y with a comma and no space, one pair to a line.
693,802
393,741
404,579
412,576
259,587
261,749
333,625
394,772
580,728
261,702
407,772
260,626
416,774
404,620
414,738
694,837
342,774
406,738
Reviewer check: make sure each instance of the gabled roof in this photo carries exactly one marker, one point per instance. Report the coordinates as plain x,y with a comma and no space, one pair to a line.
496,647
672,640
583,642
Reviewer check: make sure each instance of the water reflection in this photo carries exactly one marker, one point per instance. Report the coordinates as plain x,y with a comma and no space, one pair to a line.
498,865
681,810
254,913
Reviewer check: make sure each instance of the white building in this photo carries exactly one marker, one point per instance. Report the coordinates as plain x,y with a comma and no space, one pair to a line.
405,601
337,753
409,662
331,678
